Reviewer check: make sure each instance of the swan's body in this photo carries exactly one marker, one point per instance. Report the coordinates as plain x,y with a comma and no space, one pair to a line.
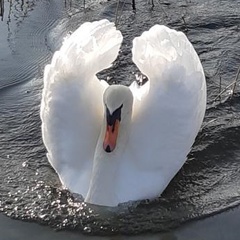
155,124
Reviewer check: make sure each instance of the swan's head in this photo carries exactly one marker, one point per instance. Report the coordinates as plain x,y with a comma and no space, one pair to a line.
118,101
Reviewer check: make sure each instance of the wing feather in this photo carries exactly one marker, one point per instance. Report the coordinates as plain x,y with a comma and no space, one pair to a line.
168,110
71,107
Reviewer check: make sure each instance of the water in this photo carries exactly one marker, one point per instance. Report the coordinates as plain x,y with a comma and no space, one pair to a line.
209,181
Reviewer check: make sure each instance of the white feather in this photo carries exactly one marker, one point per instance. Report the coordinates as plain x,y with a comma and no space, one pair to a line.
71,108
167,113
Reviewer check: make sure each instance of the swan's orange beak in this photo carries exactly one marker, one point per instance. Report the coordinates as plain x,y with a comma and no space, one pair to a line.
110,139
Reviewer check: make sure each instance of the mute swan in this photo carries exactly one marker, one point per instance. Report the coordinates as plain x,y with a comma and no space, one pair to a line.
115,143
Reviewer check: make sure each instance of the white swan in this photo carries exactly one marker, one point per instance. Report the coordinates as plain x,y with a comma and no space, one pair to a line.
113,144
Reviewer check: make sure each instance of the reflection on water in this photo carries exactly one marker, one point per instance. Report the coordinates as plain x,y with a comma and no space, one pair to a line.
1,8
16,11
208,182
13,13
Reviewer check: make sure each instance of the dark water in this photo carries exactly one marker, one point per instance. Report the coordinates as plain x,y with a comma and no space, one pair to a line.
207,184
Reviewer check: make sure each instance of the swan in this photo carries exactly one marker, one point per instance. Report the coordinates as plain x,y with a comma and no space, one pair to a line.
114,144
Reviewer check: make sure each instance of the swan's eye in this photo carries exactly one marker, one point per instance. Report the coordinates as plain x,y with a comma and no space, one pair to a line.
116,115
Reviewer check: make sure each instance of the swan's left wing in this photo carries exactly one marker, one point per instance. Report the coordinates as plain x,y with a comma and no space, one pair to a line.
168,110
71,107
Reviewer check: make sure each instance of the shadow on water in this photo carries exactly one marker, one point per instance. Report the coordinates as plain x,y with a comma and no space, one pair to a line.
209,181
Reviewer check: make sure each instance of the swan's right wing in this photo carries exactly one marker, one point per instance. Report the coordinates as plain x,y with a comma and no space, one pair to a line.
71,107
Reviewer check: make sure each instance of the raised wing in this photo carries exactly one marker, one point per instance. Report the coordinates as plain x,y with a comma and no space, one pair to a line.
169,108
71,107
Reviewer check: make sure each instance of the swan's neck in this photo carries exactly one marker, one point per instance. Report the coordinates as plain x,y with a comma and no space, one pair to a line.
102,189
